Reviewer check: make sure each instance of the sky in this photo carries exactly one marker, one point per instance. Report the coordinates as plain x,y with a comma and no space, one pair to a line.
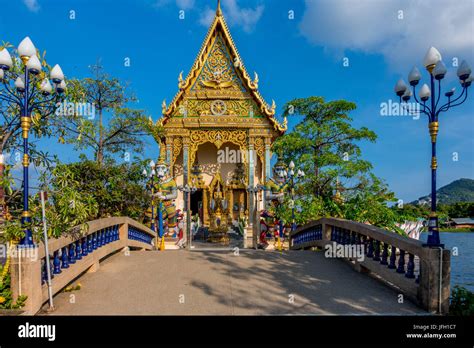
338,49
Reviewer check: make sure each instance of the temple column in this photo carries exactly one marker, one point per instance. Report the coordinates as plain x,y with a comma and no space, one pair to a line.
169,150
250,233
205,203
186,195
267,168
231,204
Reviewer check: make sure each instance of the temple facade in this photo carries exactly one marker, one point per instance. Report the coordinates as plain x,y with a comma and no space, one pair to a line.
218,133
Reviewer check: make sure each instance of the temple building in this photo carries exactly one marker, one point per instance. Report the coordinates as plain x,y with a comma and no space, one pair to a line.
218,132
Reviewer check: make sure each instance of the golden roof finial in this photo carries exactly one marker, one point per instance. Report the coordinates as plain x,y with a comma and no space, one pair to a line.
163,106
180,80
218,10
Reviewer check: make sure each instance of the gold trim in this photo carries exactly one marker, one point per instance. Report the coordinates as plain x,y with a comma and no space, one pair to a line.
25,214
433,127
25,125
26,160
434,163
25,59
216,137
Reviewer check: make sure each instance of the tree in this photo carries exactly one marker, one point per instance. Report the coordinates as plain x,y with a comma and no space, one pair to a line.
118,189
324,145
117,128
338,182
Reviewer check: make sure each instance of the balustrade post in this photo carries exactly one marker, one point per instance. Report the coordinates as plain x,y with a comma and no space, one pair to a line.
123,232
410,266
428,293
56,263
72,258
64,258
370,247
384,261
401,262
377,251
78,250
85,249
393,258
27,280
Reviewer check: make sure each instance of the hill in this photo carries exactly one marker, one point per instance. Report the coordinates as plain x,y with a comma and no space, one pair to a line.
461,190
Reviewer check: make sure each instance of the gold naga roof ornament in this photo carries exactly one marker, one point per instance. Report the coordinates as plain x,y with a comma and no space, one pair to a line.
181,83
255,80
163,106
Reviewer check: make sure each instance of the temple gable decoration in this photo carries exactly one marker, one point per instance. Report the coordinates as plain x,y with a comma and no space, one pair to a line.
218,83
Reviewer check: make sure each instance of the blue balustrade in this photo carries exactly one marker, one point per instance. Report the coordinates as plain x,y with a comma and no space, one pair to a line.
94,241
89,244
64,258
72,257
78,250
85,249
56,263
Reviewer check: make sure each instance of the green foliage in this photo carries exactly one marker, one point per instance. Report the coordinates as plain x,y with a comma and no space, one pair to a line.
324,145
103,190
457,210
338,181
462,302
116,127
6,298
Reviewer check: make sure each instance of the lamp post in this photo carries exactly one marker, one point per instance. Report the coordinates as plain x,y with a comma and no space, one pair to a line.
437,70
290,179
27,88
151,183
187,191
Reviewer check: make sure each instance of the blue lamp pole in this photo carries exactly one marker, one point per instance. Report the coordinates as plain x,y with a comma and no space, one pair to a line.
27,88
437,70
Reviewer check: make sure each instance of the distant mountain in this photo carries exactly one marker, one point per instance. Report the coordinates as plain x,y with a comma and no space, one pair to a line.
461,190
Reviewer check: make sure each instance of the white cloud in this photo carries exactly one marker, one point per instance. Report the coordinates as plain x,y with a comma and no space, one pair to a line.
32,5
374,27
235,15
185,4
207,17
181,4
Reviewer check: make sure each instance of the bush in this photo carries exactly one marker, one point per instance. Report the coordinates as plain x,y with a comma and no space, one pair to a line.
6,298
462,301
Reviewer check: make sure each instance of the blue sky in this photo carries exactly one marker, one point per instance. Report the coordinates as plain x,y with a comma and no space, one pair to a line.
296,57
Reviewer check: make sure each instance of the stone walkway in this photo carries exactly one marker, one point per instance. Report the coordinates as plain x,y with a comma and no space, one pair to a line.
207,283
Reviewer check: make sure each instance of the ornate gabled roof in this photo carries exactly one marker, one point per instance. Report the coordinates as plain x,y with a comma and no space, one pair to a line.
227,78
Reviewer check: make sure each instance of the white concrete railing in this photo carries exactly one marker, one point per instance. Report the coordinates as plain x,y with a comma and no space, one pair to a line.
399,261
70,256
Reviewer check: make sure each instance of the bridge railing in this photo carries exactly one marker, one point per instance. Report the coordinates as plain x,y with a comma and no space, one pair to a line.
422,274
72,255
